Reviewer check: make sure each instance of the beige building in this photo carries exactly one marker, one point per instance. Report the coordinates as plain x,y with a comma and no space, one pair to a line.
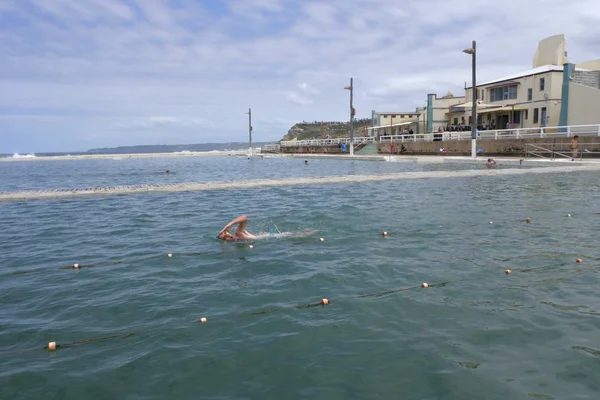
554,92
388,123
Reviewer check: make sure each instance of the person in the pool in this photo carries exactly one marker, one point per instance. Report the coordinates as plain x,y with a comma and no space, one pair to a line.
240,233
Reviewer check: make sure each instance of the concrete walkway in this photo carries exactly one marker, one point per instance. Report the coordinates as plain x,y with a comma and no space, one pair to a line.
443,159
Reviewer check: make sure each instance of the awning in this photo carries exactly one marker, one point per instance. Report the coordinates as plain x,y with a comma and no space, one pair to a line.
470,104
396,124
503,108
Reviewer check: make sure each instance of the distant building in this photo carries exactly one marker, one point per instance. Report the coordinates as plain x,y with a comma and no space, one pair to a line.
394,122
554,92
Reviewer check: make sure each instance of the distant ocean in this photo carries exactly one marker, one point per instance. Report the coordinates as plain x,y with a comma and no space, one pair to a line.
143,149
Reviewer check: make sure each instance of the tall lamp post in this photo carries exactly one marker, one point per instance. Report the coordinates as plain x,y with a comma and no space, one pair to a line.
352,112
250,128
472,52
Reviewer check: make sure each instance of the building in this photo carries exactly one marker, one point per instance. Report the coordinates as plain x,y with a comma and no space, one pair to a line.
437,109
553,93
388,123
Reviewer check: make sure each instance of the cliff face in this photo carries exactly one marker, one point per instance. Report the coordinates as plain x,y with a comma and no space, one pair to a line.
319,130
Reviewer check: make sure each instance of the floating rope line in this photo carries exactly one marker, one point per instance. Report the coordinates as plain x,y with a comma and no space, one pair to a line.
109,263
53,346
295,181
325,302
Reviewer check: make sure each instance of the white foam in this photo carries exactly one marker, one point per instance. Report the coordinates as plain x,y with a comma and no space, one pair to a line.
295,181
17,155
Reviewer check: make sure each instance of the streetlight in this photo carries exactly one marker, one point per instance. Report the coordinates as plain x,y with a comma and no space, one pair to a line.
472,52
250,128
352,112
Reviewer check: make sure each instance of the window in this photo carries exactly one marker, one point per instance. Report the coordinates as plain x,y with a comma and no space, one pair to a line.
529,94
470,120
526,114
542,84
384,115
517,117
410,116
536,115
402,116
503,93
455,121
482,94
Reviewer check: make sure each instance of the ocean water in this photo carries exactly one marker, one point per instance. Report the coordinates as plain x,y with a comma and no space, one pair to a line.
474,333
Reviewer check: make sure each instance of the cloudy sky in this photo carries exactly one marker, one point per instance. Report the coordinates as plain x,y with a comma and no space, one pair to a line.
96,73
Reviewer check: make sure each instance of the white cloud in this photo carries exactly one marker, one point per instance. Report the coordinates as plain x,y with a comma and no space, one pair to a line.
105,69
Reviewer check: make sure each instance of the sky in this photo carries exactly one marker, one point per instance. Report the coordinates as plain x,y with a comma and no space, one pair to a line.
76,75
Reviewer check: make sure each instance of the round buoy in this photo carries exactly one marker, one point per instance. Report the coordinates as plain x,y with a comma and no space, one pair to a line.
324,302
169,255
568,215
321,240
75,266
579,260
52,346
491,222
384,234
528,220
203,320
508,272
424,285
250,247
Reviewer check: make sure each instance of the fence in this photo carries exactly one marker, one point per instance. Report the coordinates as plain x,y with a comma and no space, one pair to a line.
498,134
555,151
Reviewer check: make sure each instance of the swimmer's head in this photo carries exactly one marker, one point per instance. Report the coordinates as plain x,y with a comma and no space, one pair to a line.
225,236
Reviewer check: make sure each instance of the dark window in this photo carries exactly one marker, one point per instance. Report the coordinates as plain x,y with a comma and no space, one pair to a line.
482,92
455,121
503,93
529,94
517,117
384,115
526,114
410,116
542,84
536,115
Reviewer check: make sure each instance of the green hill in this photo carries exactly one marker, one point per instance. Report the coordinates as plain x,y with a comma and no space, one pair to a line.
320,129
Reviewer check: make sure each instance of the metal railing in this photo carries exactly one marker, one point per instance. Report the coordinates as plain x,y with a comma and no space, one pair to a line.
497,134
555,151
326,142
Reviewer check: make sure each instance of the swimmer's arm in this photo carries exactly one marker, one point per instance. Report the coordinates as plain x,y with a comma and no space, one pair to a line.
242,220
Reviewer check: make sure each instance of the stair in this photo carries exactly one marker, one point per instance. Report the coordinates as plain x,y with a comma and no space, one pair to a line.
369,149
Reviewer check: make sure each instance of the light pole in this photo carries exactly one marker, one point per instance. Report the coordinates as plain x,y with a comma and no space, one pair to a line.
250,128
351,89
472,52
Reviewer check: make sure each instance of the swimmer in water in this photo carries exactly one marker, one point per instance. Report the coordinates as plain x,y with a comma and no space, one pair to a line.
240,233
490,163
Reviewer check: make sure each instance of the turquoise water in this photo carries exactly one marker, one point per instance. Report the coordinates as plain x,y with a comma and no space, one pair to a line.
480,334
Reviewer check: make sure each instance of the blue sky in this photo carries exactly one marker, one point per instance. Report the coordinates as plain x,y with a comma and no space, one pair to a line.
76,75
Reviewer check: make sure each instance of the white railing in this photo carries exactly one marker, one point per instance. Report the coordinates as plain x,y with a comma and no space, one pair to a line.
269,148
325,142
520,133
561,150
